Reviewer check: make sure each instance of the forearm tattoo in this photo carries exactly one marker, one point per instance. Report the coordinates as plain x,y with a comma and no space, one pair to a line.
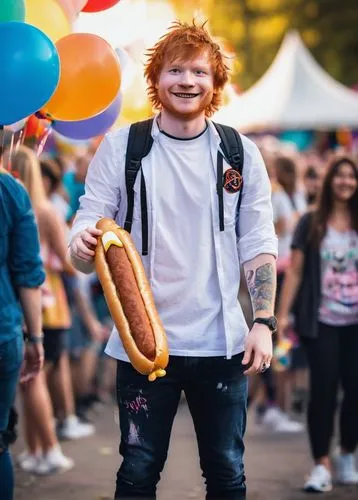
261,285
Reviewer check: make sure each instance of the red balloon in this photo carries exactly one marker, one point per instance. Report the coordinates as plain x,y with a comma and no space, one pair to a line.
98,5
34,127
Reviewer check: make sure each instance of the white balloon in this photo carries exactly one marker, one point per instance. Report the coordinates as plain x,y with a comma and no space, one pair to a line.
119,25
128,68
127,21
15,127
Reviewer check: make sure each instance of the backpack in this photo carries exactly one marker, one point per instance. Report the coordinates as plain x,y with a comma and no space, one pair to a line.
139,145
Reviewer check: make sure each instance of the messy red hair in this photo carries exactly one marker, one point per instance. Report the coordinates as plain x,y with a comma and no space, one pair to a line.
182,42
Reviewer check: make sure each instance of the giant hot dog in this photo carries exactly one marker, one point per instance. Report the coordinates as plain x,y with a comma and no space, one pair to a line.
130,300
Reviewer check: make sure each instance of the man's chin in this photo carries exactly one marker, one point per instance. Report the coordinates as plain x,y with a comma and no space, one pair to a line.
183,114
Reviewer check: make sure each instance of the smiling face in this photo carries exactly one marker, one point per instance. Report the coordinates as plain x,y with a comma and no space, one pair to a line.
186,88
344,182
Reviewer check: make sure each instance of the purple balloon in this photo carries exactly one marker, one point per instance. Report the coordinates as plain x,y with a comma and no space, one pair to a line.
97,125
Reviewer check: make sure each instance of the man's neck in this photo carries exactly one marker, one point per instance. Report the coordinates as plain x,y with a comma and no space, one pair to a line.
183,129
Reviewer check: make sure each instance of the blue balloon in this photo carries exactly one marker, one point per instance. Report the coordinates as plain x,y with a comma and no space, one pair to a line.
91,127
29,70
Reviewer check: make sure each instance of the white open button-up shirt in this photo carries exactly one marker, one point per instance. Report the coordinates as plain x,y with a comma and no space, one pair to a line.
248,233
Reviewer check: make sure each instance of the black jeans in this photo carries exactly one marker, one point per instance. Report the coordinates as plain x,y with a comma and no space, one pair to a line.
216,392
332,360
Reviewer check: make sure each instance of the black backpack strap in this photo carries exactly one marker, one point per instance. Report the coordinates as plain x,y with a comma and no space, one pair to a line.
220,188
138,146
231,146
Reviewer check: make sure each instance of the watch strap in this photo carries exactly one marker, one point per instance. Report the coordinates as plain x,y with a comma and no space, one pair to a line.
268,322
34,339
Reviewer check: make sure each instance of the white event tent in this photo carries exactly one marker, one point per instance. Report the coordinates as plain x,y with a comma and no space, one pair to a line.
294,93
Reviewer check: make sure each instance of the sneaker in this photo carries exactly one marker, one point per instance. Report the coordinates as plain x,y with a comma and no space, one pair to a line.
21,456
260,411
27,461
72,428
319,481
345,468
277,421
53,461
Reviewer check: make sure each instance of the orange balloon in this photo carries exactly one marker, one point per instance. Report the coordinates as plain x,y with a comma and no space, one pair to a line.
90,78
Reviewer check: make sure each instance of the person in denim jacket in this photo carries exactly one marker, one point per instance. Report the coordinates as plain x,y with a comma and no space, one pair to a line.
21,274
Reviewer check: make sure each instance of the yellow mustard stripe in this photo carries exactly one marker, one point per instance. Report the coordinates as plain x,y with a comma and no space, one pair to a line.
158,373
110,238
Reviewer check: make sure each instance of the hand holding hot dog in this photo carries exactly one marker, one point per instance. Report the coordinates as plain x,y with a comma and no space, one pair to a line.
84,244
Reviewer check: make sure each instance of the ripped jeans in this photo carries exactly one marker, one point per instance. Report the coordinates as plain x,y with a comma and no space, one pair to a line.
216,393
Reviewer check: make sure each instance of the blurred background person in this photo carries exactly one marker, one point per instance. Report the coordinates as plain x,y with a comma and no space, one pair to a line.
86,333
44,454
74,181
287,202
322,281
312,183
52,170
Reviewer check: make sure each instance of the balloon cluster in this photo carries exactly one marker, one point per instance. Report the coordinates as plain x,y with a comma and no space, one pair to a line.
47,72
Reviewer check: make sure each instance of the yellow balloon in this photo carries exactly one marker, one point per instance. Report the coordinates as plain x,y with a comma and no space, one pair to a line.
136,105
49,17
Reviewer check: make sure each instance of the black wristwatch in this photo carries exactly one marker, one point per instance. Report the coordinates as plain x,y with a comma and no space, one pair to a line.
271,322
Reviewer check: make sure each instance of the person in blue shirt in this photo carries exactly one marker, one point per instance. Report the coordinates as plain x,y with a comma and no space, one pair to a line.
21,274
74,183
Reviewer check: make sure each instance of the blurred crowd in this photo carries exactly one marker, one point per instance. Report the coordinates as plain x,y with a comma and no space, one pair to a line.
77,377
281,393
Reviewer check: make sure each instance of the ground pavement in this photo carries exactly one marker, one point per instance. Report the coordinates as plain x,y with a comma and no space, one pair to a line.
276,466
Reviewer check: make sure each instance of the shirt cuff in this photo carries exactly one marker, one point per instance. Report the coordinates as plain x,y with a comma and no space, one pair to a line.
251,253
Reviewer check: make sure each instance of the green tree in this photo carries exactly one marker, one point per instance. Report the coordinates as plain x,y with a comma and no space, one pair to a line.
253,30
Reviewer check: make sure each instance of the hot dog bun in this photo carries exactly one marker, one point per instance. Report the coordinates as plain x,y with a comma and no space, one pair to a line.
141,330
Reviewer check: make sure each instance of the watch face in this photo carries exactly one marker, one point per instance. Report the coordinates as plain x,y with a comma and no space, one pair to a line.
273,323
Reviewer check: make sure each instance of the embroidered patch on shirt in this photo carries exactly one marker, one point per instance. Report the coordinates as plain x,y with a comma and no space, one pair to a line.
232,180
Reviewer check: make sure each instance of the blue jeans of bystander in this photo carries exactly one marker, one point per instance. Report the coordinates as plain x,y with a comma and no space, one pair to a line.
11,356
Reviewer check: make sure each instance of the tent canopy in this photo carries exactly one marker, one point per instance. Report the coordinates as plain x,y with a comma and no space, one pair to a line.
294,93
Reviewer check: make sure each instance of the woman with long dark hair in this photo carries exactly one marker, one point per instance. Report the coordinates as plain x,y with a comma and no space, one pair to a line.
322,286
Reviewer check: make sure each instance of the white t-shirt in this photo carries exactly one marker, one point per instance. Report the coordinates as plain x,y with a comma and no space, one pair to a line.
184,167
339,278
284,207
61,205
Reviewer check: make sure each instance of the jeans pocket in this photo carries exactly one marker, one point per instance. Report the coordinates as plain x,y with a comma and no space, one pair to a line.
11,356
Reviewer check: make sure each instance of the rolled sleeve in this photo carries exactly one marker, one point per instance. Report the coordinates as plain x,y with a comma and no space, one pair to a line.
25,263
254,223
102,192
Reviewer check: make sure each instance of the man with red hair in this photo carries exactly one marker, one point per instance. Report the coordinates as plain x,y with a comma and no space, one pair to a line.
203,219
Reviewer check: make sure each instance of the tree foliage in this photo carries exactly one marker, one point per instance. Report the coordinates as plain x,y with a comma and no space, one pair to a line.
253,30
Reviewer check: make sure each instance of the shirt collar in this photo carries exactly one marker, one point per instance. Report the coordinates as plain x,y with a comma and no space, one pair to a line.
214,136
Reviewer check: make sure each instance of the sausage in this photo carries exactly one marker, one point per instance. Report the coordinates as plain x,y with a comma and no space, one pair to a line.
130,300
